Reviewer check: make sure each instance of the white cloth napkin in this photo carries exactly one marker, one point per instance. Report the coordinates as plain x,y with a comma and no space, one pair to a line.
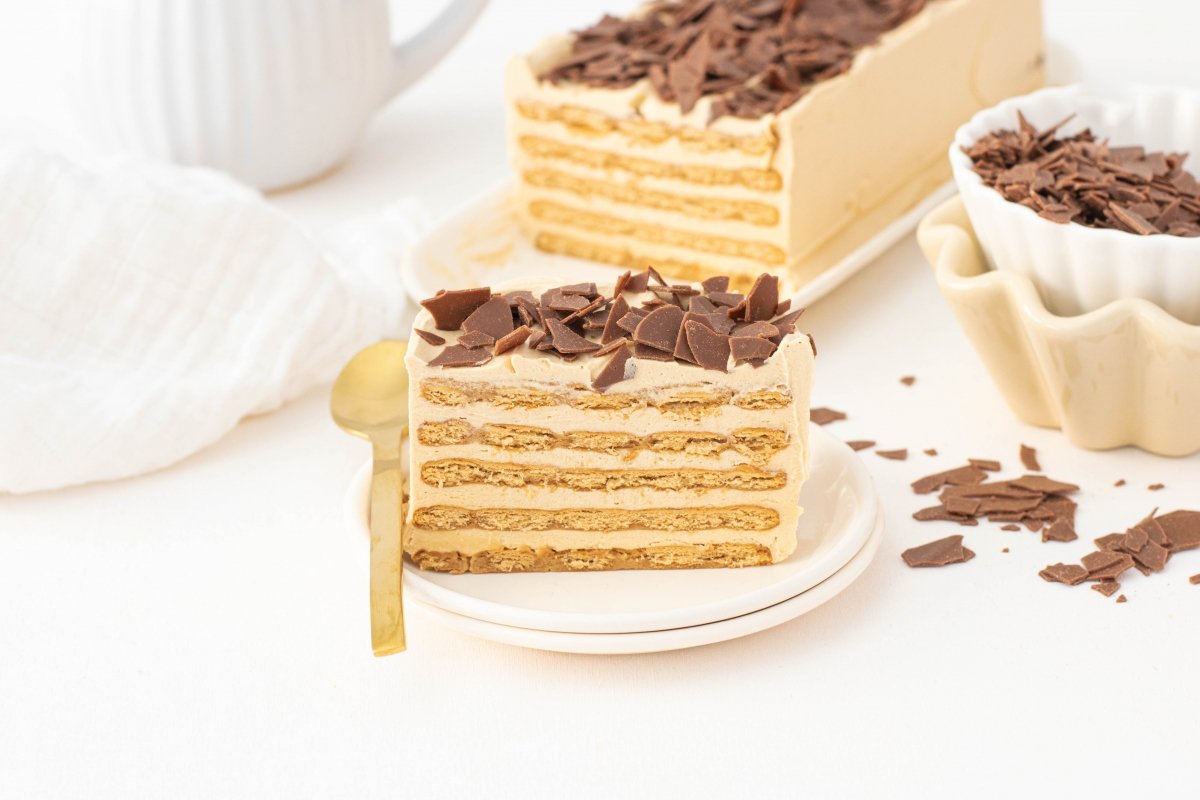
145,309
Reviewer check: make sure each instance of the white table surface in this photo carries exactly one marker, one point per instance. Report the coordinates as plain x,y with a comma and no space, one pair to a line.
202,631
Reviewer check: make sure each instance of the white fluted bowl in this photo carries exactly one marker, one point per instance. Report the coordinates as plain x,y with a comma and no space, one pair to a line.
1077,269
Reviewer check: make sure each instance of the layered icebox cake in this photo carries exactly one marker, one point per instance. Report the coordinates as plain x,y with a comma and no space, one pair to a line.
639,425
734,136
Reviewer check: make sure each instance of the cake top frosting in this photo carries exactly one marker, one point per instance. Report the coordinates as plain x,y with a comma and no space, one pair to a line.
754,57
642,317
1079,179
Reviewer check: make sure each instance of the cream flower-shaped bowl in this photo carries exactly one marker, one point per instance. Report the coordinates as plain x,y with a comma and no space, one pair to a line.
1125,373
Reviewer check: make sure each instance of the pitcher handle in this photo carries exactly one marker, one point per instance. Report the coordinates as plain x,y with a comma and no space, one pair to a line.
418,54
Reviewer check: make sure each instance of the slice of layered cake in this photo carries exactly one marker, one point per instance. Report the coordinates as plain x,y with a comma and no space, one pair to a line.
635,426
739,135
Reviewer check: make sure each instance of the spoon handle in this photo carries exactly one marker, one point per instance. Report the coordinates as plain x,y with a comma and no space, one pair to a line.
387,604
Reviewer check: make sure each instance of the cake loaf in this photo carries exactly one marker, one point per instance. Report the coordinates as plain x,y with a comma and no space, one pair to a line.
741,135
634,426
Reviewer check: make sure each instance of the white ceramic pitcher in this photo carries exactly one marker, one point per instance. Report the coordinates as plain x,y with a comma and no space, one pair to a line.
272,91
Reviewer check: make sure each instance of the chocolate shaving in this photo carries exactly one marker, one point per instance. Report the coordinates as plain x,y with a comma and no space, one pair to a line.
894,455
824,416
512,340
567,341
638,282
476,339
717,283
431,338
860,444
710,349
747,348
1154,487
616,370
660,328
762,298
938,553
449,309
612,331
493,318
1059,531
1106,588
458,356
1070,574
986,464
1029,458
908,380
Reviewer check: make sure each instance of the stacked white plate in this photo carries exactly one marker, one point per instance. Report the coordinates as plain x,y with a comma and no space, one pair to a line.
647,611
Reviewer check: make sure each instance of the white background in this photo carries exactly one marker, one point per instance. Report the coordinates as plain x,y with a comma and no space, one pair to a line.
202,631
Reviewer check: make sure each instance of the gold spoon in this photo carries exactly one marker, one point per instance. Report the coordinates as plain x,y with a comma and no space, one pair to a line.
370,399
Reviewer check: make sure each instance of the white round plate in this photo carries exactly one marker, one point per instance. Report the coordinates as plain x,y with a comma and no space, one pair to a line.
677,639
841,511
481,244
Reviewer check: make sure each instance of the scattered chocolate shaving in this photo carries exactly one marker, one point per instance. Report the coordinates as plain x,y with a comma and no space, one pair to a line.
1040,483
1029,458
449,309
1154,487
986,464
938,553
1010,527
717,283
431,338
512,340
908,380
710,349
652,274
475,339
930,451
751,57
1059,531
493,318
615,370
1106,588
1120,482
940,514
1004,550
860,444
1110,542
1070,574
1195,579
894,455
1122,599
962,476
458,356
1077,179
824,416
